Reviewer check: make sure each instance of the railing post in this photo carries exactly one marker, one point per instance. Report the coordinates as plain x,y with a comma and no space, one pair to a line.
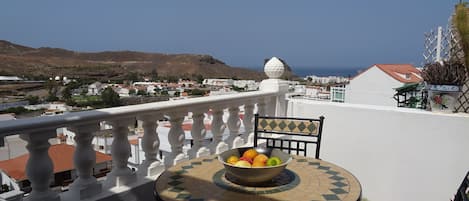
274,69
151,166
218,128
39,167
84,158
234,123
176,138
120,174
198,133
248,122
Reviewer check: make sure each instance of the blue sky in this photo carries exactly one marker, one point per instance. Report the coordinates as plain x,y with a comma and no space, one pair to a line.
306,33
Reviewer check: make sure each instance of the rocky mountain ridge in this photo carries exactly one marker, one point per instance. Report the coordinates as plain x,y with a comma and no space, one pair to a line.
109,65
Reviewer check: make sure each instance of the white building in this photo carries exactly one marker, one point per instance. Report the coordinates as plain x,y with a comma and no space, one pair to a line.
375,85
10,78
56,106
300,89
187,83
249,85
95,88
326,80
151,89
14,192
218,82
123,92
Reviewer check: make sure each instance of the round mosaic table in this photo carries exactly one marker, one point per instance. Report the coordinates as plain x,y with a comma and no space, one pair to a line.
204,179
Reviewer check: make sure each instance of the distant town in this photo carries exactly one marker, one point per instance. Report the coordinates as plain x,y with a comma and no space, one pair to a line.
59,94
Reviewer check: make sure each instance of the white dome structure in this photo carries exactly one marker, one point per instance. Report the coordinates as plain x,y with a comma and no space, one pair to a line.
274,68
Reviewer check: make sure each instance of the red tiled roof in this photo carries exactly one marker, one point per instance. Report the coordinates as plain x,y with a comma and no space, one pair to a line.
188,126
405,73
133,142
61,155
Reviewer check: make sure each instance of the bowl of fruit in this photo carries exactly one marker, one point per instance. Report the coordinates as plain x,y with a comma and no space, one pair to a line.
254,164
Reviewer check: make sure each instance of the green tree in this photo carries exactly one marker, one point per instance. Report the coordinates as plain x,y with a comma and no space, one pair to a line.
110,97
52,88
199,79
154,75
33,100
132,76
197,92
132,92
142,93
67,93
173,79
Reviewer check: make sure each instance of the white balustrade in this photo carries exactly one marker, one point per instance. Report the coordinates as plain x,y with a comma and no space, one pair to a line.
218,128
176,138
85,186
120,174
234,123
198,133
37,132
39,167
248,121
151,166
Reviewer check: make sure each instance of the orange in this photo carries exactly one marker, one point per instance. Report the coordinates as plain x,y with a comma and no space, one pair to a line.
261,158
250,153
258,164
232,160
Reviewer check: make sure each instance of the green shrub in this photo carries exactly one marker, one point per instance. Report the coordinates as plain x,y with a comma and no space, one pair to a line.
16,110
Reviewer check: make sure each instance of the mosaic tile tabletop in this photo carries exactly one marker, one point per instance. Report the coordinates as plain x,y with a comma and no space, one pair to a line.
204,179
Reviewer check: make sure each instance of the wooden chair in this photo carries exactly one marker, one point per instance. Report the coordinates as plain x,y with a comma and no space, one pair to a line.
288,134
463,190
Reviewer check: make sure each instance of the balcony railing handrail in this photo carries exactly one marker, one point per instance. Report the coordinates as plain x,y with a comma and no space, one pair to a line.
12,127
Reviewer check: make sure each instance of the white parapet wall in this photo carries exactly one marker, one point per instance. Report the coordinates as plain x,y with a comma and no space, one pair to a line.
396,153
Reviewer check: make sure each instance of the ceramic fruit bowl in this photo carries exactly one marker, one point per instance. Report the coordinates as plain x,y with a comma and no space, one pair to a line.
249,166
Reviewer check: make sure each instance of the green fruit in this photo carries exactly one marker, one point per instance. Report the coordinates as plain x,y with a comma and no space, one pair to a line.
274,161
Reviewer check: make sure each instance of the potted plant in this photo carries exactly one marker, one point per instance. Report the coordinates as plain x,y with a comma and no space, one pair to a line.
444,81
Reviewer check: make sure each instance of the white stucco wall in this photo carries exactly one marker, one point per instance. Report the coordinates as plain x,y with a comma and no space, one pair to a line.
373,87
137,154
396,153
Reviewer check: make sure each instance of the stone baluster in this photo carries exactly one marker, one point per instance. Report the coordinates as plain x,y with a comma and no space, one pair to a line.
39,167
262,107
198,133
233,122
248,122
120,174
151,166
176,138
85,186
218,128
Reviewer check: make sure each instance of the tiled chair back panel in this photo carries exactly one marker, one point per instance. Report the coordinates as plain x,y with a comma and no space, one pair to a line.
302,127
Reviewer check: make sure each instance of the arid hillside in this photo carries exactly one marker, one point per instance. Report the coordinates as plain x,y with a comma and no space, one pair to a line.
110,65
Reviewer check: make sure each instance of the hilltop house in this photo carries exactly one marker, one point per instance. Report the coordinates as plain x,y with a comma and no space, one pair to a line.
375,85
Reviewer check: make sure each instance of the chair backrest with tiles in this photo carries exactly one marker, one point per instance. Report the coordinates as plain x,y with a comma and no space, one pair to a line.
288,134
463,190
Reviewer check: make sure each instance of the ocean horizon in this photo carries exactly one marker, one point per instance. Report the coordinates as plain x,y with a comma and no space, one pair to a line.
323,71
